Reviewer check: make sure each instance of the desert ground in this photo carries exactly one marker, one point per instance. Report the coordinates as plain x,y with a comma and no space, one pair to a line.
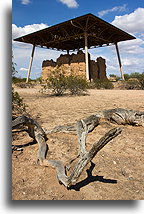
118,173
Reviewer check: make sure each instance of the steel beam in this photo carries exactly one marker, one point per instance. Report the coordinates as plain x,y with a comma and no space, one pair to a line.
30,64
86,57
119,60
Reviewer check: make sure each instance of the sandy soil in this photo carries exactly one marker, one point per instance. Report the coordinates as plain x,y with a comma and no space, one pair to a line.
119,167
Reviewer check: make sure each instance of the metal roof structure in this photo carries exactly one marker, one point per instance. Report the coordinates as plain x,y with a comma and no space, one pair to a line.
70,35
83,32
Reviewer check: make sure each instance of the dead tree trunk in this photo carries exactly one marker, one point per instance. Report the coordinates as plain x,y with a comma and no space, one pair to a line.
82,128
36,132
84,160
119,116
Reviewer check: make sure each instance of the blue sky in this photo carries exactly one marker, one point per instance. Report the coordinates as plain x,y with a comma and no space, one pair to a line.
32,15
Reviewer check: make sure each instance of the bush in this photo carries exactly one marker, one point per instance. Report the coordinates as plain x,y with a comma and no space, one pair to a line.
141,80
39,79
57,81
134,80
135,75
18,80
126,77
76,84
103,84
18,106
132,83
115,77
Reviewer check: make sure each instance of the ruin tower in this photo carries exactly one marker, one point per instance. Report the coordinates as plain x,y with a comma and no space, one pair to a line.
101,68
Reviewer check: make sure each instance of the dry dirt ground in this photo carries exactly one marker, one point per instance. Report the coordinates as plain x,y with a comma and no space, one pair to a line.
119,167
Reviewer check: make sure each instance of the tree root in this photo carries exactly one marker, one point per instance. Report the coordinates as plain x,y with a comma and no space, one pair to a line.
82,128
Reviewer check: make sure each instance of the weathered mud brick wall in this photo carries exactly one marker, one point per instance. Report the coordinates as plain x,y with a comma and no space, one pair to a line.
93,70
47,67
75,64
101,68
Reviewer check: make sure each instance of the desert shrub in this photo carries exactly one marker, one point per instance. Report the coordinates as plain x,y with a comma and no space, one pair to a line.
103,84
57,81
18,80
18,106
132,83
112,75
126,77
39,80
141,80
135,80
21,85
76,84
117,78
25,85
135,75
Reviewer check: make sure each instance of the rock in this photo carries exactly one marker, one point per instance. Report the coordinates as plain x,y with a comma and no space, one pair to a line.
114,162
130,178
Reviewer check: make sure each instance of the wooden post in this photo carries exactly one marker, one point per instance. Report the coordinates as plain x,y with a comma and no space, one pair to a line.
30,64
86,57
119,60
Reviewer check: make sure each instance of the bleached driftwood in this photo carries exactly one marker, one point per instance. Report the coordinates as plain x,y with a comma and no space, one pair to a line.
123,116
82,128
67,181
119,116
36,132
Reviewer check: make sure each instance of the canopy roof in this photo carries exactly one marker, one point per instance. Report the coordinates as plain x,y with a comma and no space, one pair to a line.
70,35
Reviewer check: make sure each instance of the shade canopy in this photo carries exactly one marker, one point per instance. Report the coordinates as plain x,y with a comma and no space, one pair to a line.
70,35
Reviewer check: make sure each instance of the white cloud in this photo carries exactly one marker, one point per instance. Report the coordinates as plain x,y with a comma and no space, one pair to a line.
114,9
132,51
21,31
132,46
132,23
22,58
25,2
70,3
133,64
23,69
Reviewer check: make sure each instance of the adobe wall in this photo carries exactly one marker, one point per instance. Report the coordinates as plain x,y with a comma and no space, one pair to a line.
101,68
47,67
75,64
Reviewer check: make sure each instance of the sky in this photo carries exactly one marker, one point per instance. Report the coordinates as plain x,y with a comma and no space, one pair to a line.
32,15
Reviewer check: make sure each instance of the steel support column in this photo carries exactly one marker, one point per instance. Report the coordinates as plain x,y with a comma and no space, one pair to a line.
86,57
119,60
30,64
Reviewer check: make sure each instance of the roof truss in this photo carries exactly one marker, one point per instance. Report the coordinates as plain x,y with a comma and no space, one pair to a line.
69,35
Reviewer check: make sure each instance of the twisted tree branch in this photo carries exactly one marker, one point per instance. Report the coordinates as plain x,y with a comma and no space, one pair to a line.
82,128
84,160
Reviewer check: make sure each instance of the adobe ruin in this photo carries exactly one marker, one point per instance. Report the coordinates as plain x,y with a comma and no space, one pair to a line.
75,64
